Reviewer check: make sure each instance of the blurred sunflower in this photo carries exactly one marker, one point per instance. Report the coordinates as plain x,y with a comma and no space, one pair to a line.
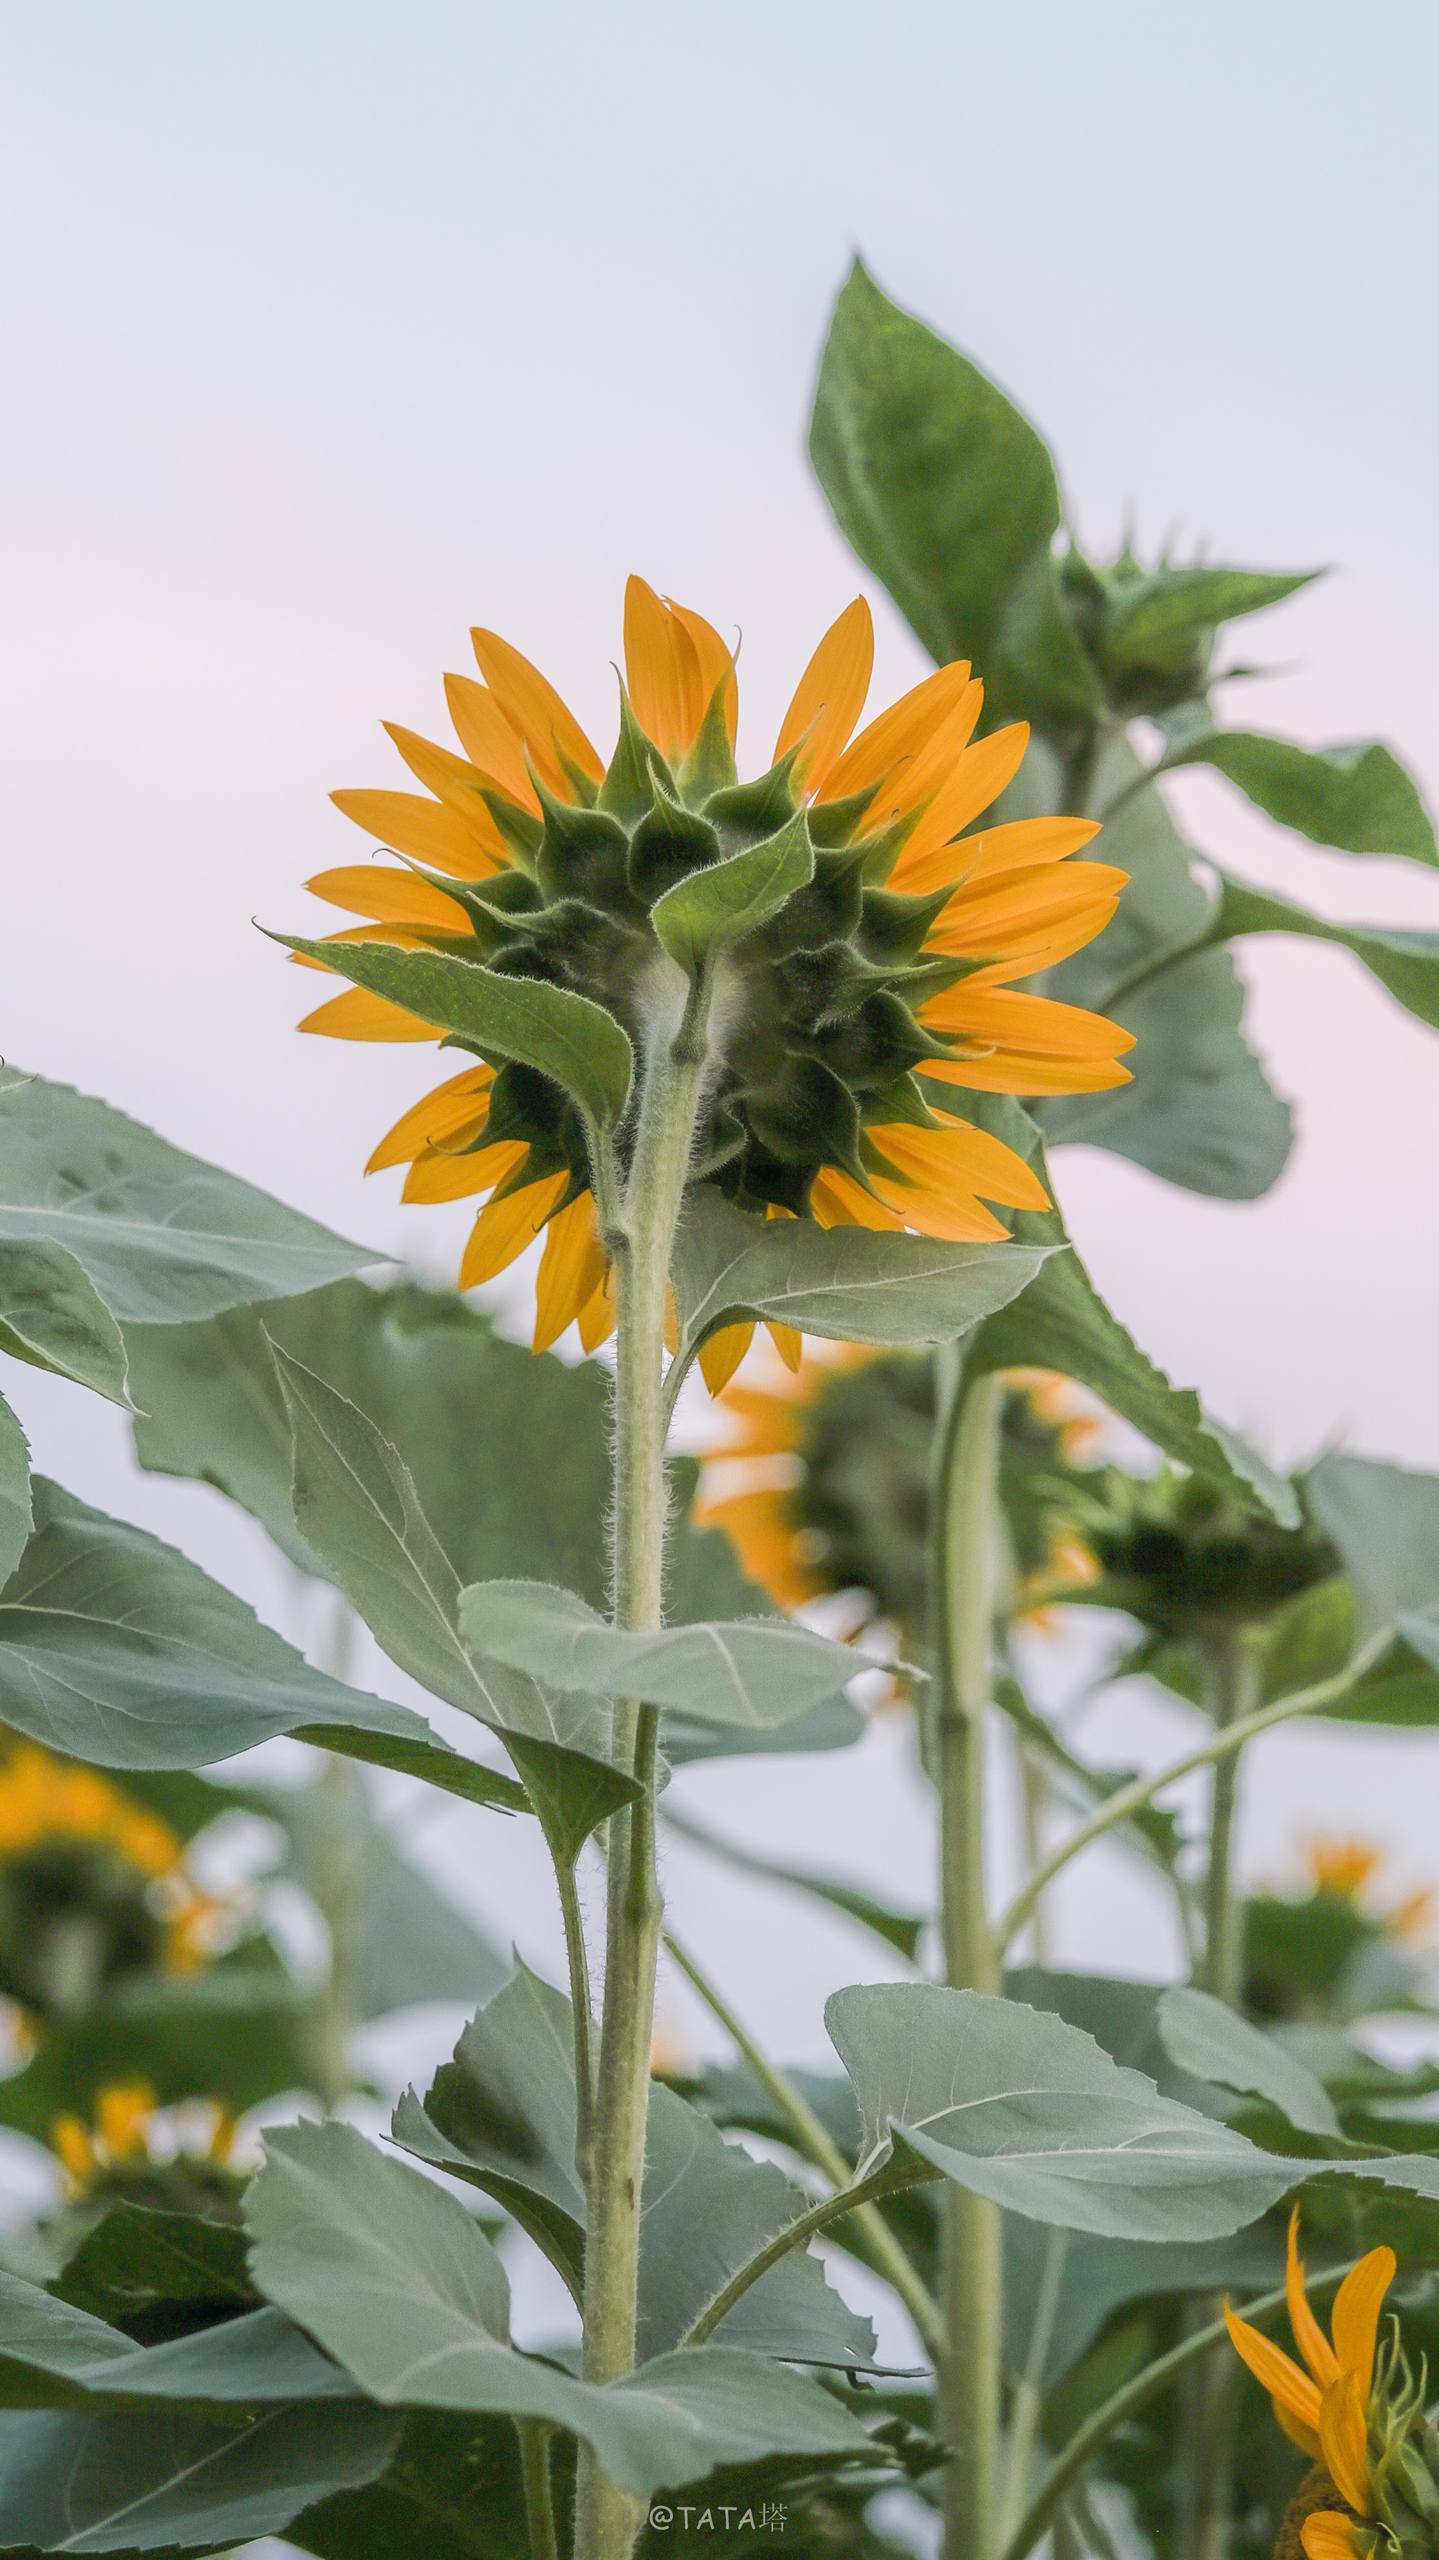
94,1888
176,2158
1346,1868
1357,2413
823,1485
532,854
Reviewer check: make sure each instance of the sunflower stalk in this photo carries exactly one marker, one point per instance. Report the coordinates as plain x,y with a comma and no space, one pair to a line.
963,1596
645,1208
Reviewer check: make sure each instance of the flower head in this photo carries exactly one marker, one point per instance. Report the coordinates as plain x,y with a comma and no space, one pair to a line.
131,2146
94,1888
823,1483
848,1017
1352,2406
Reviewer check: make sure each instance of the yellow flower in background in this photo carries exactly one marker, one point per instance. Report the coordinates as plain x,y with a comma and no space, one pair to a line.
1347,1867
534,854
130,2128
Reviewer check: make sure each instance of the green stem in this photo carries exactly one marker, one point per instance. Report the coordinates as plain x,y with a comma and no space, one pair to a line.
1029,2387
640,1241
539,2491
1127,1801
882,2249
1234,1689
1034,1799
578,1967
962,1600
1086,2441
805,2226
339,1805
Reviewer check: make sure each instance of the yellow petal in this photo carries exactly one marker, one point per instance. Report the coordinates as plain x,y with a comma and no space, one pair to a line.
902,730
662,671
1328,2536
435,1177
73,2148
453,780
982,772
721,1354
837,1200
1309,2338
958,1151
830,696
571,1267
489,740
546,724
392,897
1344,2440
716,663
1020,843
1039,1023
439,837
948,1214
789,1343
921,780
1294,2390
503,1230
1019,1071
597,1319
1355,2321
441,1114
359,1015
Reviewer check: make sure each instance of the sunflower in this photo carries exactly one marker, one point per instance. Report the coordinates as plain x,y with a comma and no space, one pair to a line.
94,1888
1345,1868
132,2146
823,1484
1358,2415
529,852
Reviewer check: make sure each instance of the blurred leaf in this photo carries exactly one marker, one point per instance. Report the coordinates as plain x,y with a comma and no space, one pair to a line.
238,2035
1356,798
389,2273
502,2116
902,1930
1159,617
1405,963
1384,1520
1087,2280
76,2482
1027,2110
54,2356
844,1283
949,495
17,1513
710,909
564,1036
356,1505
1209,2040
137,2261
749,1671
454,2491
411,1943
1061,1322
115,1648
161,1237
1199,1111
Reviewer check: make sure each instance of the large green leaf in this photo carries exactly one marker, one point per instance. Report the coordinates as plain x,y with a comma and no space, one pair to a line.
356,1505
844,1283
53,1316
746,1671
1405,963
1061,1322
561,1034
1358,798
949,495
138,2263
712,908
1198,1110
78,2482
115,1648
392,2277
426,2502
1384,1520
17,1510
502,2116
1213,2043
54,2356
1029,2111
160,1237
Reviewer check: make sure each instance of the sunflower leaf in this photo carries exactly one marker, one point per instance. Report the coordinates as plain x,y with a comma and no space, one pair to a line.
1205,2038
1405,963
552,1029
713,908
1357,798
747,1671
844,1283
73,2481
17,1510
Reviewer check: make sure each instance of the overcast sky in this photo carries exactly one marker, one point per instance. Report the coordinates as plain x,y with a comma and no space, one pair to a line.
333,329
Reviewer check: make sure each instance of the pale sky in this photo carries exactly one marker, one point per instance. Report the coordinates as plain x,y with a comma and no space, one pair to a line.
334,329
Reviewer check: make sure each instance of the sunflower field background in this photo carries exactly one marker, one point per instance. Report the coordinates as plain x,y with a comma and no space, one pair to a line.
716,1807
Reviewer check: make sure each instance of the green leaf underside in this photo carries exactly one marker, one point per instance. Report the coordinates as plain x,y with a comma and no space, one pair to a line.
1021,2107
355,1503
52,2355
561,1034
53,1317
713,908
1063,1323
72,2481
393,2278
161,1237
846,1284
1206,2038
1406,964
115,1648
752,1671
17,1510
1358,798
502,2116
902,1930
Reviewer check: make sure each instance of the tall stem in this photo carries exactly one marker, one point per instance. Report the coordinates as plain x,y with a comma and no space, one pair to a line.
641,1243
962,1589
1234,1691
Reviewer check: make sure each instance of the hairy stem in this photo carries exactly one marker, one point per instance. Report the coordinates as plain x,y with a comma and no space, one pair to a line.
539,2493
640,1244
882,2249
805,2226
577,1965
962,1601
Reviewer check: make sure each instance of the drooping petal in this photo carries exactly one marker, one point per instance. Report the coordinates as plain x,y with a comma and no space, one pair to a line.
1292,2389
1309,2338
359,1015
1355,2321
571,1269
1344,2440
721,1354
947,1215
837,1200
829,697
391,897
435,1176
439,837
489,740
504,1228
450,1110
546,724
970,1158
1329,2536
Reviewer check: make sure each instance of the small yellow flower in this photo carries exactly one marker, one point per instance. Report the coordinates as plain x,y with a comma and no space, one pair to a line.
1348,1866
130,2127
1323,2404
532,853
